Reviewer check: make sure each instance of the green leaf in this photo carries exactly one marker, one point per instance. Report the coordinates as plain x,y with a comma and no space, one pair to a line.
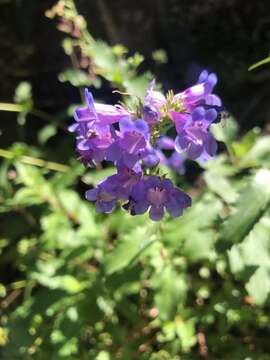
170,292
130,248
221,186
29,175
46,133
67,283
246,143
160,56
78,78
250,207
198,217
258,286
185,329
70,347
23,95
103,355
258,155
27,196
199,245
225,131
138,85
252,258
104,56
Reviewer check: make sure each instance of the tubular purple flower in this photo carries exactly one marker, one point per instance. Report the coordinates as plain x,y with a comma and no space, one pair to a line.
111,133
94,134
199,94
92,141
154,157
114,188
165,142
130,144
177,163
194,139
153,103
105,203
157,194
110,114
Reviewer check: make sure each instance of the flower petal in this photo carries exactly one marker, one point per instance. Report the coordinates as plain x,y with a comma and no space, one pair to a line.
181,143
211,145
141,207
105,207
114,152
194,150
156,213
165,142
91,195
126,124
198,114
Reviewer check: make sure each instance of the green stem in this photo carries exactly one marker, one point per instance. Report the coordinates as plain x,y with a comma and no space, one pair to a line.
50,165
11,107
231,153
38,113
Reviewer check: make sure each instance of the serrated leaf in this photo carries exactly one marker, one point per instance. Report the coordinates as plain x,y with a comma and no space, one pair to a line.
246,143
250,207
103,55
225,131
236,260
199,245
129,248
250,261
199,216
258,286
258,155
170,292
221,186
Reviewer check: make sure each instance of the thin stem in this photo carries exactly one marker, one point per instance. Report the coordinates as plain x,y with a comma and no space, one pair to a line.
11,107
36,112
50,165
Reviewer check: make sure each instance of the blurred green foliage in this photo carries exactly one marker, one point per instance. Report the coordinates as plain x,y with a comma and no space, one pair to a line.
78,285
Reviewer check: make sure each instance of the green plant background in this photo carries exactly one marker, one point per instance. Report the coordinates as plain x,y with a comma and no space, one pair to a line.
78,285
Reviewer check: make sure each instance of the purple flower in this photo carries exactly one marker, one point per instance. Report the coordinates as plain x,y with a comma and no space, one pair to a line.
194,138
105,202
101,114
92,141
130,144
177,163
154,157
114,188
111,133
165,142
153,102
156,193
199,94
94,135
110,114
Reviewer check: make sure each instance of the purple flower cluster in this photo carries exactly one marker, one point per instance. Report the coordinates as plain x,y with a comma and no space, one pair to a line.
137,146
